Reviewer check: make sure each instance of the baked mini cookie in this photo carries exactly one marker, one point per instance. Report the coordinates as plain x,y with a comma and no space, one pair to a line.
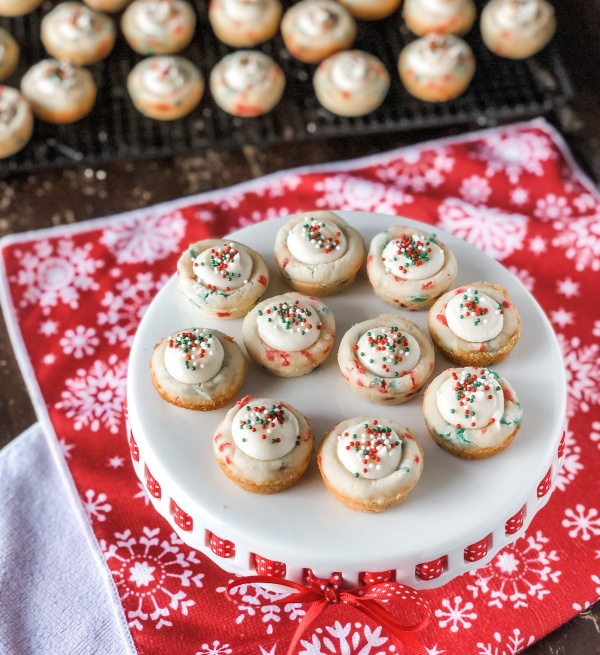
9,54
263,445
517,28
72,32
436,68
370,464
247,83
386,360
371,9
198,368
222,278
59,92
16,121
475,324
289,335
440,16
165,87
110,6
471,412
409,269
18,7
158,27
351,83
318,253
312,30
244,23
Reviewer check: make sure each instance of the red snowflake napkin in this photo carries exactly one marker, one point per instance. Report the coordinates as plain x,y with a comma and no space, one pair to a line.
75,295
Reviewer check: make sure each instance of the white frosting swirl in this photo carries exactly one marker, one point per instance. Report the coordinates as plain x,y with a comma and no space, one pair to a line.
317,241
193,356
264,429
74,22
471,398
517,13
442,8
436,55
288,325
351,71
474,316
413,257
54,77
387,352
244,11
223,267
370,450
245,70
163,76
155,15
318,18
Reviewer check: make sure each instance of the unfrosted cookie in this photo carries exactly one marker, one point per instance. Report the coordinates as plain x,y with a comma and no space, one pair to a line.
409,269
222,278
165,88
441,16
318,253
370,464
72,32
59,92
18,7
158,27
436,68
475,324
198,368
371,9
245,23
9,54
351,83
16,121
386,360
263,445
472,413
110,6
315,29
289,335
247,83
517,28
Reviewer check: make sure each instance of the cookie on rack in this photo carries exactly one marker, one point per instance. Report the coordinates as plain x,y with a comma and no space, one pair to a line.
222,278
475,324
263,445
440,16
165,87
59,92
247,83
9,54
198,368
318,253
18,7
289,335
409,269
351,83
158,27
312,30
517,29
472,412
386,360
370,464
72,32
109,6
371,9
244,23
436,68
16,122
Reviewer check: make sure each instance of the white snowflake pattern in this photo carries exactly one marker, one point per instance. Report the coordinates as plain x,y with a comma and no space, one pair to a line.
475,189
349,192
95,505
53,273
456,615
582,367
142,493
520,572
345,640
434,650
94,398
568,287
65,448
257,216
596,329
524,276
417,169
126,305
538,245
562,317
495,232
595,433
584,202
216,648
115,462
513,645
571,463
552,208
580,240
279,187
150,573
145,237
519,196
48,327
583,523
79,342
49,359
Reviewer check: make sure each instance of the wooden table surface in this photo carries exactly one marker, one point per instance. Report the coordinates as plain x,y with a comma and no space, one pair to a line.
58,197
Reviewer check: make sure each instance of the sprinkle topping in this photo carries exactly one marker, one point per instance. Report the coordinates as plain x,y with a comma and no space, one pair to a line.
412,257
193,356
286,324
387,352
474,316
223,268
317,241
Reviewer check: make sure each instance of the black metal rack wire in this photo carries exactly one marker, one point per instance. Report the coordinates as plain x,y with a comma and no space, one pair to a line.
501,91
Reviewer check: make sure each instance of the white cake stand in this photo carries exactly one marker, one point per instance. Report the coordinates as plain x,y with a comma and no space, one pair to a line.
460,514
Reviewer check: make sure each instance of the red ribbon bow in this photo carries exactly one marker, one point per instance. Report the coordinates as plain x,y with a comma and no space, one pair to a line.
322,593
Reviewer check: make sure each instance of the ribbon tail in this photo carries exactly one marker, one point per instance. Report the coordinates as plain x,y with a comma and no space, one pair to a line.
313,613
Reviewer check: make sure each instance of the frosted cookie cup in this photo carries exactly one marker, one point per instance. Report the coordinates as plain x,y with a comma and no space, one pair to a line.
440,16
9,54
244,23
16,122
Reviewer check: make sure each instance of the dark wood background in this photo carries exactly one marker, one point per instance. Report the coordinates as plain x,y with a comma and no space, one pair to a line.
52,198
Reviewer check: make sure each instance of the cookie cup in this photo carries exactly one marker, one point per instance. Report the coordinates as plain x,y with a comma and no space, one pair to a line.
212,394
244,34
18,7
413,295
109,6
361,494
472,443
420,22
17,131
262,476
319,279
9,54
479,353
371,9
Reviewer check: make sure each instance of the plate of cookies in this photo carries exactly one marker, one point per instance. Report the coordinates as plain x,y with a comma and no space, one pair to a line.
345,392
